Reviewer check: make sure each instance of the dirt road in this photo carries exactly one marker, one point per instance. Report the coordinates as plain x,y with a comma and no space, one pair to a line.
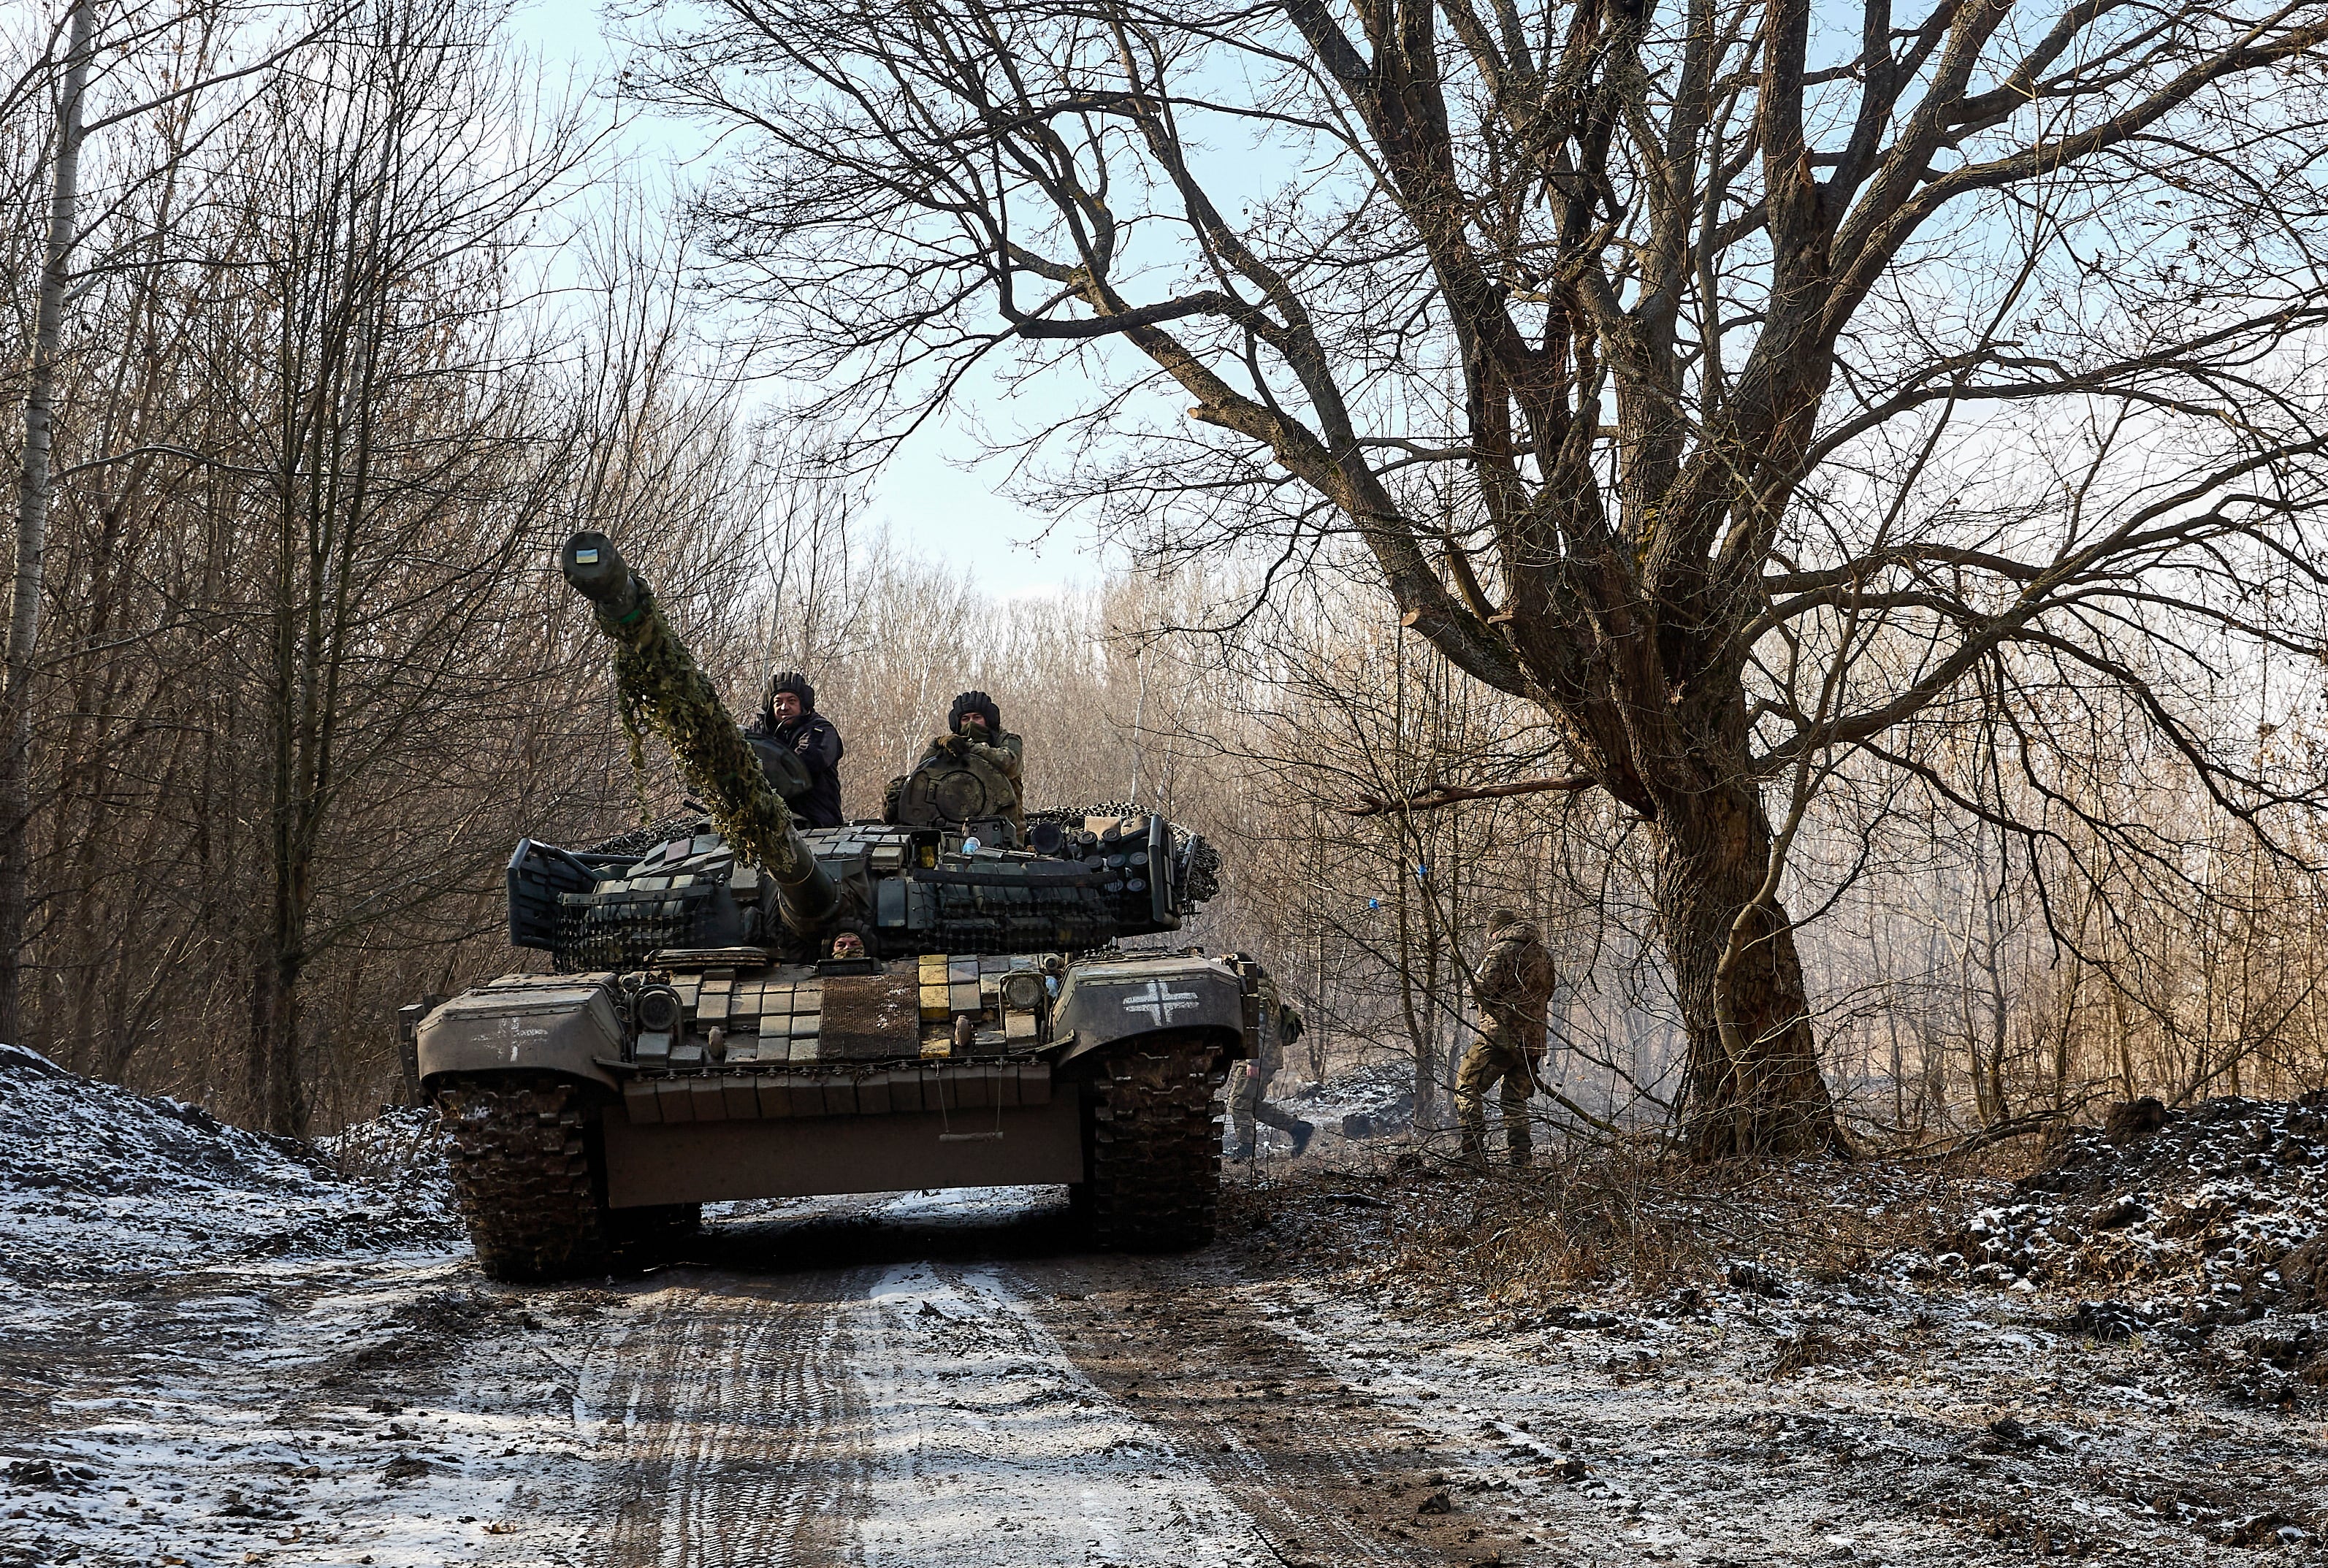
944,1379
931,1380
919,1379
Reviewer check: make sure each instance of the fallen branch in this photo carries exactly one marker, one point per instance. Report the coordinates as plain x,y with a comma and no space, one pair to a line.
1448,794
2003,1133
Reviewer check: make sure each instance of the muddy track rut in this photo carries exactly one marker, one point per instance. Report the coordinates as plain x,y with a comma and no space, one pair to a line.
731,1405
903,1385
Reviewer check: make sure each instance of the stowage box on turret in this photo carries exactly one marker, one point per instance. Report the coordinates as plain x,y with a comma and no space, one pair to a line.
697,1042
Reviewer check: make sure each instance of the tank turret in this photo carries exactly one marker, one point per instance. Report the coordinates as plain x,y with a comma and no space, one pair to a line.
942,879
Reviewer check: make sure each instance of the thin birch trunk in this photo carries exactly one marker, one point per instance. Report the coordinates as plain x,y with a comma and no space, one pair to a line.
33,525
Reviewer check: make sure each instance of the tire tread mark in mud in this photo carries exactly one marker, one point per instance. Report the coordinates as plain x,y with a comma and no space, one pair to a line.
734,1404
1297,1474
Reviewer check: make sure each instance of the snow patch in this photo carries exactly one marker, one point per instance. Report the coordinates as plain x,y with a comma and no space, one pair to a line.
2216,1217
95,1181
987,1445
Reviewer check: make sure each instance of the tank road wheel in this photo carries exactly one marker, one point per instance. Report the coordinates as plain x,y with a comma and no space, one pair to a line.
1155,1150
521,1167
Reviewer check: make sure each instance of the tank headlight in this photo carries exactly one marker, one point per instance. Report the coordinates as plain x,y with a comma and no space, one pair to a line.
1022,991
657,1011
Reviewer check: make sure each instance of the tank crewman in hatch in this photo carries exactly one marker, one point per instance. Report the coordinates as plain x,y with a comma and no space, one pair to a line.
973,731
788,721
977,723
1514,986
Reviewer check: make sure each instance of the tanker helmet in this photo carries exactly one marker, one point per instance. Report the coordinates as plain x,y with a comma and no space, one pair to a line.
793,681
975,702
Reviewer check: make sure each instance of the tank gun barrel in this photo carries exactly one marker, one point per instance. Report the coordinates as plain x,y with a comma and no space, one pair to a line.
660,681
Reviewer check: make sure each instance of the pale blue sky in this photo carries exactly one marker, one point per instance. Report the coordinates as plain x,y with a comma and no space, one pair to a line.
932,504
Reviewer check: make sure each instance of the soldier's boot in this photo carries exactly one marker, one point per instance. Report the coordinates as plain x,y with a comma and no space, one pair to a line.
1285,1122
1518,1141
1471,1081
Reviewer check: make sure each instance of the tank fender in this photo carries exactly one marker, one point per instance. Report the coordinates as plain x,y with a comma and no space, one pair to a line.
530,1023
1100,1004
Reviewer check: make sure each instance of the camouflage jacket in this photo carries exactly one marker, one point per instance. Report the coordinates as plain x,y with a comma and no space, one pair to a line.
1009,753
1514,985
1005,754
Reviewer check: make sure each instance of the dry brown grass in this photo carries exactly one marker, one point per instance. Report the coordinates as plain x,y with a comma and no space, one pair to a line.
1613,1215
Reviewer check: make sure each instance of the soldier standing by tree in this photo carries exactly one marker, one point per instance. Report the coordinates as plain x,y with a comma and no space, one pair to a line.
1514,986
1728,339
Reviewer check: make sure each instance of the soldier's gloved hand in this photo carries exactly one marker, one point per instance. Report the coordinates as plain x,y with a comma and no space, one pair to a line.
957,744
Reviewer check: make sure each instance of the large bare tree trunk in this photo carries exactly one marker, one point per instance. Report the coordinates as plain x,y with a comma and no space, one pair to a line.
32,524
1783,251
1764,1094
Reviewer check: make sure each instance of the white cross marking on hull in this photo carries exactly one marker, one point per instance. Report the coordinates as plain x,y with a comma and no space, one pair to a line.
1159,1003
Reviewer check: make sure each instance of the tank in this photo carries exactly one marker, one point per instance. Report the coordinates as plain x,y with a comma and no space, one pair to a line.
697,1039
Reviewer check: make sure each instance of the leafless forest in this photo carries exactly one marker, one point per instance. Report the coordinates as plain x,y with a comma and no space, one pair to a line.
1989,644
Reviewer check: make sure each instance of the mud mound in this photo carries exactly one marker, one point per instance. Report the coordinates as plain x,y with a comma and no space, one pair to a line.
403,1150
1371,1101
96,1180
2215,1215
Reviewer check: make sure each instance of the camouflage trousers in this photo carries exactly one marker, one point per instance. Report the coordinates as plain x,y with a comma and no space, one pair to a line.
1249,1104
1512,1072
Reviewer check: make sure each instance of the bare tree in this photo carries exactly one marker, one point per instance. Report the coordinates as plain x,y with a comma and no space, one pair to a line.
33,508
189,34
1658,357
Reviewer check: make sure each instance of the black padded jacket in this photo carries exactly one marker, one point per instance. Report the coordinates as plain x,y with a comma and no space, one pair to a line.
812,738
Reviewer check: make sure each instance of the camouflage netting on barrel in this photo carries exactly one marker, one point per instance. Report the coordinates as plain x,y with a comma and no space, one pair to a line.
664,689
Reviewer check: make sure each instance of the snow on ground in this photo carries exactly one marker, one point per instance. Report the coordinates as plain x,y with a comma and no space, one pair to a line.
1369,1101
2217,1217
990,1449
1807,1403
289,1431
221,1351
97,1181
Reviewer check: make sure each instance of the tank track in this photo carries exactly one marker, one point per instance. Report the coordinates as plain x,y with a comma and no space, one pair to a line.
521,1167
1155,1182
